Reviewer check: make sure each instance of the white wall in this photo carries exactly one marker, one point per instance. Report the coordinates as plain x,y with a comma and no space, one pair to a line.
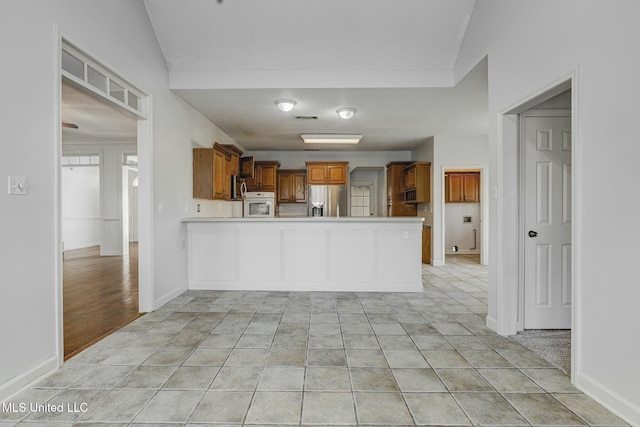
118,33
453,152
111,221
80,207
531,44
459,233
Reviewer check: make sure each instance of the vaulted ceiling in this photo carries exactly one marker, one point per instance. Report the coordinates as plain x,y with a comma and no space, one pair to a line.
391,61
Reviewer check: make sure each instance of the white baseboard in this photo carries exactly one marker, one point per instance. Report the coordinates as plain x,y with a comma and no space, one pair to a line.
111,253
17,384
437,263
464,252
492,323
620,406
168,297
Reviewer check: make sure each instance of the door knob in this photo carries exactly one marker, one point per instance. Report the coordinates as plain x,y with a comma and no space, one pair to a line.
532,233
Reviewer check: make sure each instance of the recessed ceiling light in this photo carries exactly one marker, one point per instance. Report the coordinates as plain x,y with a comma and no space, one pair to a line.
285,105
346,113
330,138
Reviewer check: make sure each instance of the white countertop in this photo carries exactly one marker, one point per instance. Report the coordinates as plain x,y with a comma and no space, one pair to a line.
307,219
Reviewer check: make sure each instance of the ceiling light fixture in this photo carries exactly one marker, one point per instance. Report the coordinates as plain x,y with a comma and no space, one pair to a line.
330,138
346,113
285,105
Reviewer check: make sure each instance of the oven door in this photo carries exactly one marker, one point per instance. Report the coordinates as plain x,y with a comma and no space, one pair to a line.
257,208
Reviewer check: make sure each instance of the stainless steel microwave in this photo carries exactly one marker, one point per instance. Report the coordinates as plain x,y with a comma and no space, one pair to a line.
238,188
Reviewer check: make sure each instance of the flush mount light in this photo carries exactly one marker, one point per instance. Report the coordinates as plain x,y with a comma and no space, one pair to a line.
330,138
346,113
285,105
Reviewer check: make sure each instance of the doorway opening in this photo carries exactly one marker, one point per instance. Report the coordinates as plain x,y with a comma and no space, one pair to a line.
462,215
543,181
366,195
100,255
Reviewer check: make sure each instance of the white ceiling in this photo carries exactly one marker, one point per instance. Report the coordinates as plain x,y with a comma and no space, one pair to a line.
369,39
310,34
389,118
97,121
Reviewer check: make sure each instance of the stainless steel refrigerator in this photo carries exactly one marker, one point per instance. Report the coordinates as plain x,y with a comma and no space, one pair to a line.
328,201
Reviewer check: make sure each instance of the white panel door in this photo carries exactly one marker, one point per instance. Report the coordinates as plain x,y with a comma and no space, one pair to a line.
547,246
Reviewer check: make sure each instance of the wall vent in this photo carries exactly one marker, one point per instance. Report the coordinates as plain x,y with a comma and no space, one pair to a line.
307,117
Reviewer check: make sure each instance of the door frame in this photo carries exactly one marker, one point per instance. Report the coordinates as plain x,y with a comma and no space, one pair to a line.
484,208
146,291
373,185
522,226
509,297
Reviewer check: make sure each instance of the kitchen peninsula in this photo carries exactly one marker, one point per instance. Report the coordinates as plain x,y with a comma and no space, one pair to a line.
346,254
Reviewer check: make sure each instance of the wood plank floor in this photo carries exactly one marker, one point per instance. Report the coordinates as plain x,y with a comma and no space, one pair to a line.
100,295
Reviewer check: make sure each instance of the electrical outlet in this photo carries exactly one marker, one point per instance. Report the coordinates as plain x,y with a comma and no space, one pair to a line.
18,185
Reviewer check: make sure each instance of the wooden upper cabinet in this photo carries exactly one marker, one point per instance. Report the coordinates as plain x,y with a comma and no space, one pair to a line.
317,174
417,182
395,191
202,173
221,161
211,177
264,176
462,187
236,154
472,187
321,173
246,167
292,186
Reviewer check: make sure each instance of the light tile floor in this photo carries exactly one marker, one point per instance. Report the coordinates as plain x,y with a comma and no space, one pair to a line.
303,359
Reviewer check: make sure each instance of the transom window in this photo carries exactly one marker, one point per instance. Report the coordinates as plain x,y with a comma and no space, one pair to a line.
79,69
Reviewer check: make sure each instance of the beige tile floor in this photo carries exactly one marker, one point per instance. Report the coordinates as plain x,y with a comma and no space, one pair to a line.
306,359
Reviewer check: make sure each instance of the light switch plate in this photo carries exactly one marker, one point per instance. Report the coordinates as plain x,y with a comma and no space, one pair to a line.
18,185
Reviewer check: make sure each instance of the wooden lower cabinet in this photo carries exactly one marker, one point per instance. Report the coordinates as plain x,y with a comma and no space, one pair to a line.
426,245
402,209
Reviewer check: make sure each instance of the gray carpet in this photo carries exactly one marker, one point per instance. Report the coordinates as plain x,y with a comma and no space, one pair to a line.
553,345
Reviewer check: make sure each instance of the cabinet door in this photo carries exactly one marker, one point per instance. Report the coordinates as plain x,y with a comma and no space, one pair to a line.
472,187
285,185
409,178
337,175
403,209
317,174
455,188
202,173
219,169
234,168
426,245
300,188
246,167
268,177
